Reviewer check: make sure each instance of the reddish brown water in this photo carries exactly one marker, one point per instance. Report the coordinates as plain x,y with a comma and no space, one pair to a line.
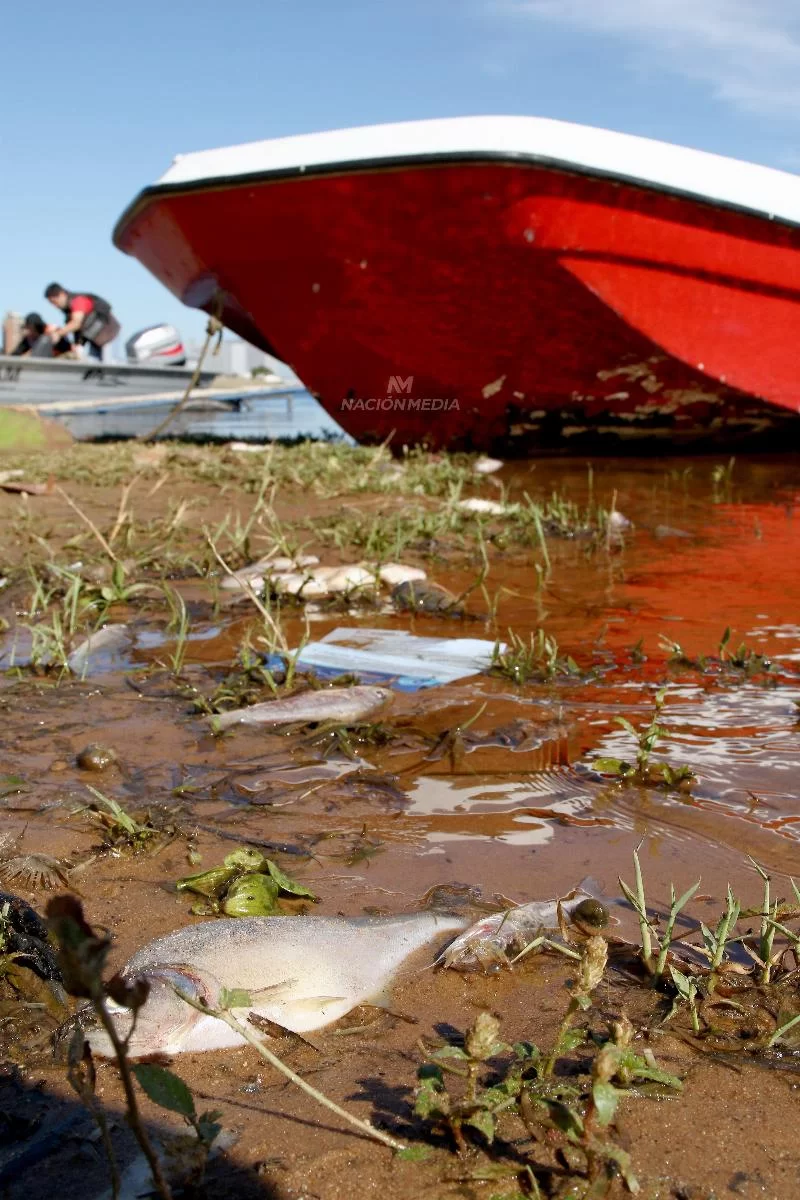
521,814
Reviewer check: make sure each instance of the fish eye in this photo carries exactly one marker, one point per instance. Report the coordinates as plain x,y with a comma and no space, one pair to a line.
590,913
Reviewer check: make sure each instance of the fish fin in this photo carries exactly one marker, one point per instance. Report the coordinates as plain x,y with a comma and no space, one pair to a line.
272,992
592,887
272,1028
316,1003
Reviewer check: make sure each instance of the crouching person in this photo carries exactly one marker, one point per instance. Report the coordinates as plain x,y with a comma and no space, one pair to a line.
89,318
38,340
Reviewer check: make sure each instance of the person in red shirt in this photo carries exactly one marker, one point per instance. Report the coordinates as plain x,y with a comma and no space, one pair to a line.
88,318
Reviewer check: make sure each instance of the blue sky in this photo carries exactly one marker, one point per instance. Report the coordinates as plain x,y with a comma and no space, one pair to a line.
95,101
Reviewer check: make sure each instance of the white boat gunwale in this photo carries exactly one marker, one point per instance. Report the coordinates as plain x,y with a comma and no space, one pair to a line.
745,190
89,370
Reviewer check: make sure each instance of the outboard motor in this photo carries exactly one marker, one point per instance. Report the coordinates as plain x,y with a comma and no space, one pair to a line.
158,345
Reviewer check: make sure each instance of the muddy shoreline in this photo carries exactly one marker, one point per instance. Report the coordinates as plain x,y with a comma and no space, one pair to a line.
487,781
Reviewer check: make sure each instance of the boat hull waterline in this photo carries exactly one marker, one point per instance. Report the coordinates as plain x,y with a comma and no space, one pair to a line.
475,299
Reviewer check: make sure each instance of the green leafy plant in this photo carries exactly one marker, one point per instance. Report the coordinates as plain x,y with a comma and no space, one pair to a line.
187,1157
119,590
246,885
501,1082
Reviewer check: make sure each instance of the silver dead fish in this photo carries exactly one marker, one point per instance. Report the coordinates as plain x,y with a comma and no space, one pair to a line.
99,649
487,944
300,972
346,705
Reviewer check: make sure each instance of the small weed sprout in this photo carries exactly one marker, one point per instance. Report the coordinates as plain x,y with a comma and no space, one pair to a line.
643,770
179,625
536,661
168,1091
729,664
119,828
688,989
722,481
592,967
654,950
715,941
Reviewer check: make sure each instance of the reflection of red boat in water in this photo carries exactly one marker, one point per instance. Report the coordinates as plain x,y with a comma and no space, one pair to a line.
473,280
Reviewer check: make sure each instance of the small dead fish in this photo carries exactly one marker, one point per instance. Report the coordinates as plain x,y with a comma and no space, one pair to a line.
325,581
350,579
303,584
255,573
302,973
617,521
345,705
396,573
487,466
487,944
25,487
667,531
474,504
99,649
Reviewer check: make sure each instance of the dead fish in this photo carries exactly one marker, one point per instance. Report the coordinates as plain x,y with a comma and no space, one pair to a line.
350,579
300,972
98,649
474,504
395,573
249,578
667,531
487,466
617,521
299,583
348,706
325,581
254,574
487,944
25,487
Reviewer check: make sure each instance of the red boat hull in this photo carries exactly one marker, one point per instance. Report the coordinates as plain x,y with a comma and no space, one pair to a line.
469,303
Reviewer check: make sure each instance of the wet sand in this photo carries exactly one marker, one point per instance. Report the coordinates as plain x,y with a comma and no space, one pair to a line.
510,806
